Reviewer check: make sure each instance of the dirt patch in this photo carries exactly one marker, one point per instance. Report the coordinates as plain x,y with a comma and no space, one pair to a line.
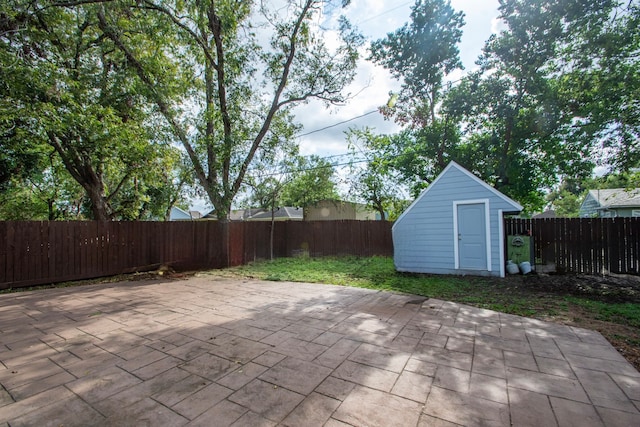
548,292
611,288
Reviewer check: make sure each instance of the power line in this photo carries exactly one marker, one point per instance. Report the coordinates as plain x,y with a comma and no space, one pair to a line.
384,13
305,169
337,124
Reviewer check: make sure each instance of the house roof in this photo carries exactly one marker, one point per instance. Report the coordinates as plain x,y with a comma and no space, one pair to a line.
516,206
236,214
259,214
546,214
286,212
616,198
243,214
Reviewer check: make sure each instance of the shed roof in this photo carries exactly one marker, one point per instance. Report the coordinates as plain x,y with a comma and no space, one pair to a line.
453,165
616,198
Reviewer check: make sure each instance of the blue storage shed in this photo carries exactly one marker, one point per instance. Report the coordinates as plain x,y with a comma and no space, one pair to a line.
454,227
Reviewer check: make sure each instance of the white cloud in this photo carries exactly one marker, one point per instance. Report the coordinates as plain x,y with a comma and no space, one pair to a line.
497,25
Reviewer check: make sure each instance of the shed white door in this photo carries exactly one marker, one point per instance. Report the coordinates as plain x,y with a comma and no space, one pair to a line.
472,236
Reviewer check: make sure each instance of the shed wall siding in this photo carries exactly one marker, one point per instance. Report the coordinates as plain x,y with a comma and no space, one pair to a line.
423,239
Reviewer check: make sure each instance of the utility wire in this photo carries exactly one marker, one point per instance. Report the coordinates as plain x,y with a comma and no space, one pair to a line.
305,169
383,13
337,124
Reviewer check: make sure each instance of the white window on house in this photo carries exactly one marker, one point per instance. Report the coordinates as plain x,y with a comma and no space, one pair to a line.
635,212
607,214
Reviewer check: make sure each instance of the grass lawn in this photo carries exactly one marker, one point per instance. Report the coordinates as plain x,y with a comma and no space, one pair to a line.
574,300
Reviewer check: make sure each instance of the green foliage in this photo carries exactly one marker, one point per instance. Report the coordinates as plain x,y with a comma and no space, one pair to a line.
565,203
567,199
522,130
601,81
64,86
313,182
547,101
628,180
49,194
374,183
420,54
265,194
623,313
243,65
296,181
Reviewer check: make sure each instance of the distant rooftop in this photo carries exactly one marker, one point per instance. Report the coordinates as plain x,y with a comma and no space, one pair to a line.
259,214
616,197
286,212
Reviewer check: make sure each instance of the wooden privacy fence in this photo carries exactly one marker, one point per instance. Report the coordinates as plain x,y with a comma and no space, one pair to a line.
41,252
582,245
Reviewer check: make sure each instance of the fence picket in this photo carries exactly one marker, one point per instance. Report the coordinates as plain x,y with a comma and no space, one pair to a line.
584,245
45,252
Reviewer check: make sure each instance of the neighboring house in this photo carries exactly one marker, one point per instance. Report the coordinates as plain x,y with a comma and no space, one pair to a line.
329,210
611,203
455,226
259,214
178,214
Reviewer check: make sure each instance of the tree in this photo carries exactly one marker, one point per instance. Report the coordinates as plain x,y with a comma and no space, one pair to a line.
310,183
373,183
601,84
296,181
422,54
509,136
567,199
48,194
519,127
64,87
243,87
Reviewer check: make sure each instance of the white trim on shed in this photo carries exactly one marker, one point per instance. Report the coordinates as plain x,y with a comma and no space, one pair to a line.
487,227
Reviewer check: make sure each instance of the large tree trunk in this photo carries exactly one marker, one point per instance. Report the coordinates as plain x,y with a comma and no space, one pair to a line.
99,207
80,168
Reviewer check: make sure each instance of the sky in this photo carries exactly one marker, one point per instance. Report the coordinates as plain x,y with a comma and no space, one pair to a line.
370,90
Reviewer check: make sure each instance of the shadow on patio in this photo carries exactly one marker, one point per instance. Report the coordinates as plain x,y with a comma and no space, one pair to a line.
208,351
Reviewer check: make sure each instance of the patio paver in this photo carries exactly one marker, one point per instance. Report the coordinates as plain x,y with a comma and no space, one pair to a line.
209,351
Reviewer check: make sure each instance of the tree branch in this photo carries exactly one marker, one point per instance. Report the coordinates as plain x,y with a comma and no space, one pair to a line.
119,186
164,107
215,25
202,43
275,103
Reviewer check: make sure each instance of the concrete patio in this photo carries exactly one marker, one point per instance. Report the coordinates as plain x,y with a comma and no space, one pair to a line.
205,351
